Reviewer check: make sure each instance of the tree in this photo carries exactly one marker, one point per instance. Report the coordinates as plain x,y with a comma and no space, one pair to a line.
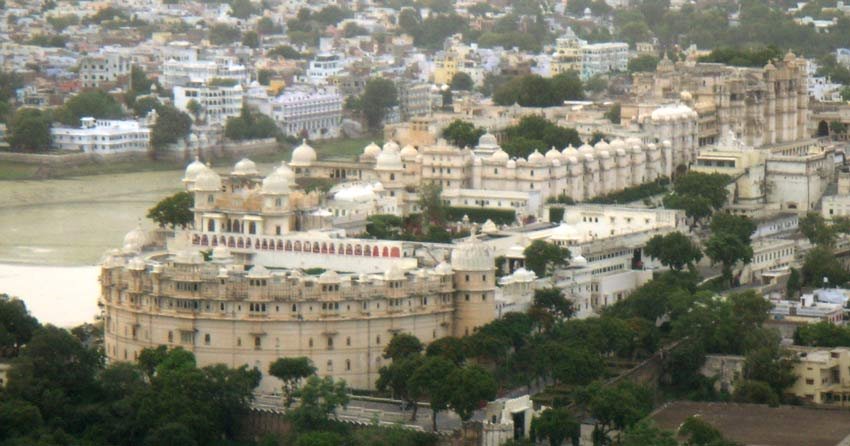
616,407
250,124
674,250
544,258
471,386
173,211
645,63
319,398
397,378
820,267
822,334
535,91
817,230
171,434
644,433
16,326
222,34
613,114
291,371
556,425
142,106
549,306
92,104
195,108
700,433
319,439
730,242
171,125
771,363
431,205
29,130
429,380
449,347
251,39
698,194
794,284
461,81
378,97
242,9
403,345
462,133
285,51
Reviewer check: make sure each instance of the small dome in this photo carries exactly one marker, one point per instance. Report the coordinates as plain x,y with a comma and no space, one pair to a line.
355,193
601,145
409,152
136,264
604,154
284,171
194,169
276,183
371,151
391,146
523,275
135,240
536,157
579,261
489,227
472,255
487,140
553,154
630,141
617,143
637,149
499,156
515,252
585,149
389,158
569,151
564,232
303,155
208,181
245,167
572,160
329,277
259,271
511,164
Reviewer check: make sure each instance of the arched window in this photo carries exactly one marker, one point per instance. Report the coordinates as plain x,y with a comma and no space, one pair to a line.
211,225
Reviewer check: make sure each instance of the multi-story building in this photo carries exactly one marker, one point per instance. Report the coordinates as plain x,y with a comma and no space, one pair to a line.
103,136
307,112
760,106
179,73
217,102
232,309
103,69
414,99
823,375
324,66
575,54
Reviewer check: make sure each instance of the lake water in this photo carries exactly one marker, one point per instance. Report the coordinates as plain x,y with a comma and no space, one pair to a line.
53,234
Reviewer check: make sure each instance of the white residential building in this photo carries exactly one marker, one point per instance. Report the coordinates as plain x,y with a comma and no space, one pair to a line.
217,102
98,69
323,67
602,58
103,136
177,73
308,113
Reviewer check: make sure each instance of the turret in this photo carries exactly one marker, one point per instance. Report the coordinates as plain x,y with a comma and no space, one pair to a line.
475,286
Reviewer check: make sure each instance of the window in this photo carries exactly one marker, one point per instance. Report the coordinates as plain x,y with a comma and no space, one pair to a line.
347,365
330,365
170,337
348,341
239,342
310,343
330,343
207,339
378,340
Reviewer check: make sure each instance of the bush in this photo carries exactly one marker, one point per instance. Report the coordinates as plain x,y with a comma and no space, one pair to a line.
634,193
556,214
481,215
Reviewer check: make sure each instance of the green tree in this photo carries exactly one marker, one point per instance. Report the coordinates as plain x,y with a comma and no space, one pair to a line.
645,63
544,258
403,345
644,433
429,380
318,399
674,250
251,39
93,104
284,51
242,9
378,97
250,124
822,334
462,133
291,371
449,347
222,34
431,205
730,242
794,284
396,377
461,81
173,211
171,434
142,106
772,364
171,125
613,114
29,130
471,386
820,267
556,426
549,305
817,230
700,433
320,439
616,408
16,326
698,194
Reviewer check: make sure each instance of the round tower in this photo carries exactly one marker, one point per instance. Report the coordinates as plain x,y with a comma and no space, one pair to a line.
474,270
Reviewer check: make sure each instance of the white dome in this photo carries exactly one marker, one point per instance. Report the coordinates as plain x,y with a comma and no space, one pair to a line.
633,140
472,255
553,154
564,232
572,160
391,146
617,143
585,149
524,275
672,112
409,152
487,141
371,151
245,167
389,158
208,181
489,227
511,164
515,252
276,183
194,169
303,155
536,157
286,172
579,261
136,264
135,240
329,277
601,145
604,154
637,149
569,151
500,156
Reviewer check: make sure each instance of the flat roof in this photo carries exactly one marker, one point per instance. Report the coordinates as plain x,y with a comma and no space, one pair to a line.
757,424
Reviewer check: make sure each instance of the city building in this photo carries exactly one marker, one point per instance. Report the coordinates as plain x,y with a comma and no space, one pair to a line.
256,299
104,136
307,112
217,102
324,66
588,60
823,375
180,72
100,70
